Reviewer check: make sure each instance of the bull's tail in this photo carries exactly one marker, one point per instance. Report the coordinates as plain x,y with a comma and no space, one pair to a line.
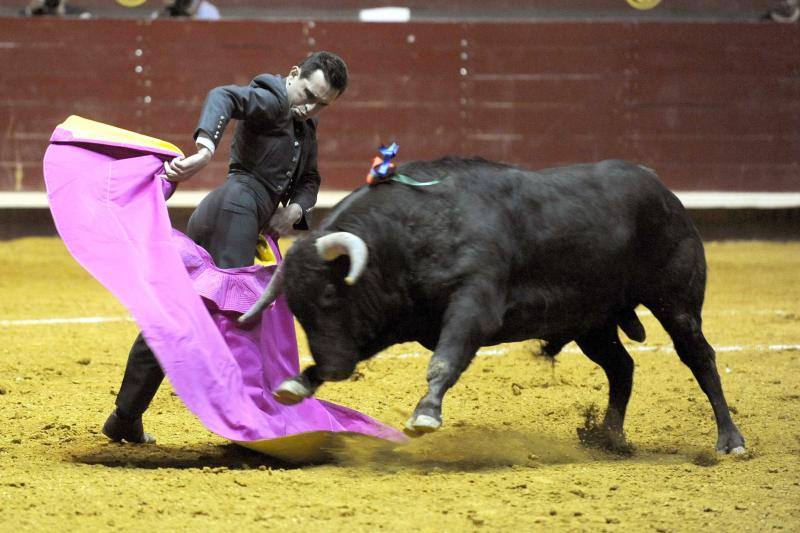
631,325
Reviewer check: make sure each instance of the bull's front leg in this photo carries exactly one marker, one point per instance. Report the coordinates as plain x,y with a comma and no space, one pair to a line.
468,321
296,389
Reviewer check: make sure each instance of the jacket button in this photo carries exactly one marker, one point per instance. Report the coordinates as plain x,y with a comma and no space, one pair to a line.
279,187
288,173
297,143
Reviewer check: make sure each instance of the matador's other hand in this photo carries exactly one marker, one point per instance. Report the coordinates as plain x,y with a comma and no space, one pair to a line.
182,168
284,218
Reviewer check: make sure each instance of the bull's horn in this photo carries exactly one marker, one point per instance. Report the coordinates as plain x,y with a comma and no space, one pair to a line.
271,293
331,246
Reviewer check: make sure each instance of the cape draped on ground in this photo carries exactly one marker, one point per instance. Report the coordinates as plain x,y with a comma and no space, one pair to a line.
108,203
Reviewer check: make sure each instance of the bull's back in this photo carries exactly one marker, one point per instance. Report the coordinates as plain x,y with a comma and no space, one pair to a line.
595,211
587,222
605,204
564,243
574,245
496,213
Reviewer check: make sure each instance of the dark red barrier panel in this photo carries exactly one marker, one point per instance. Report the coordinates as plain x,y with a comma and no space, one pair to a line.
711,106
460,9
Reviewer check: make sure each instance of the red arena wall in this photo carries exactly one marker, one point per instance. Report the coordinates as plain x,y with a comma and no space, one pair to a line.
709,105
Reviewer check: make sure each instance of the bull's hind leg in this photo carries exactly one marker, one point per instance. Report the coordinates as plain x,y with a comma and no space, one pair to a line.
675,296
695,352
604,348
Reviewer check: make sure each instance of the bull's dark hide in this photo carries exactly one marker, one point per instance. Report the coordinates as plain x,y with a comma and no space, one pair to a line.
495,253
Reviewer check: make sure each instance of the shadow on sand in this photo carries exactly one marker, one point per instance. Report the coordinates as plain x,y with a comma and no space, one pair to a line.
468,449
230,456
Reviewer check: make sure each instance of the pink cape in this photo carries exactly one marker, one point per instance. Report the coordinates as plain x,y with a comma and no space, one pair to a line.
109,206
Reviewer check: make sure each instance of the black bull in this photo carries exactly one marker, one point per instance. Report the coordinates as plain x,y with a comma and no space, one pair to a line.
492,254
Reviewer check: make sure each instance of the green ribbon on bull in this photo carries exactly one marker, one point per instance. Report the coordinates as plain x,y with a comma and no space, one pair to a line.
402,178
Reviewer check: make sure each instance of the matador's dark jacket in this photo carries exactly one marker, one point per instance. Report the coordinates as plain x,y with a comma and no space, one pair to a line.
268,144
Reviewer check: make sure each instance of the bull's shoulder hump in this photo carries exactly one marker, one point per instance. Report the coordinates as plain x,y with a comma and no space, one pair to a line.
344,204
605,166
619,165
638,180
452,166
368,201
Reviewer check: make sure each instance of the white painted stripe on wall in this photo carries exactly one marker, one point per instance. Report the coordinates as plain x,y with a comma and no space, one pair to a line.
327,199
29,200
23,199
385,14
739,200
60,321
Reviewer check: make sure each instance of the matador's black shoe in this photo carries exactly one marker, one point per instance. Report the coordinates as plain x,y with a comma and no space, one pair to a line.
118,429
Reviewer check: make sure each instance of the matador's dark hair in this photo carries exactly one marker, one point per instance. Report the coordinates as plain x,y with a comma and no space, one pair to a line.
332,66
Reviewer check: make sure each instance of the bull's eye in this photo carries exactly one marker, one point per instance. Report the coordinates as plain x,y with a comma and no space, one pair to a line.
328,297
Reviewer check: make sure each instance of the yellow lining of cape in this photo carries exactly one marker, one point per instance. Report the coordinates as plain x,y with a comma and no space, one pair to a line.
316,446
83,128
264,255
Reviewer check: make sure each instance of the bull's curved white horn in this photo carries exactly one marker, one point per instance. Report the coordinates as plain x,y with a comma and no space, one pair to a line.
271,293
331,246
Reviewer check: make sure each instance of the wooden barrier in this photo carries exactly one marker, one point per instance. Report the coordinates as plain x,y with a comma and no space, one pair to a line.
459,9
712,106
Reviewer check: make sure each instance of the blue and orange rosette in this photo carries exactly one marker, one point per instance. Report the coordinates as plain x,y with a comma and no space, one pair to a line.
382,167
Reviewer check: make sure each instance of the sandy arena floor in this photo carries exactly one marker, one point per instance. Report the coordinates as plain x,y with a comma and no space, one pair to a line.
508,458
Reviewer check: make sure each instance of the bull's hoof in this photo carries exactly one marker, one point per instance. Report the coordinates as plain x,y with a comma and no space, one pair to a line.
291,392
738,450
417,426
732,443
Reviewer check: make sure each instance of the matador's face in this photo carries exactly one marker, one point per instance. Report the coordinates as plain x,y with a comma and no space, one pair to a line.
308,96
